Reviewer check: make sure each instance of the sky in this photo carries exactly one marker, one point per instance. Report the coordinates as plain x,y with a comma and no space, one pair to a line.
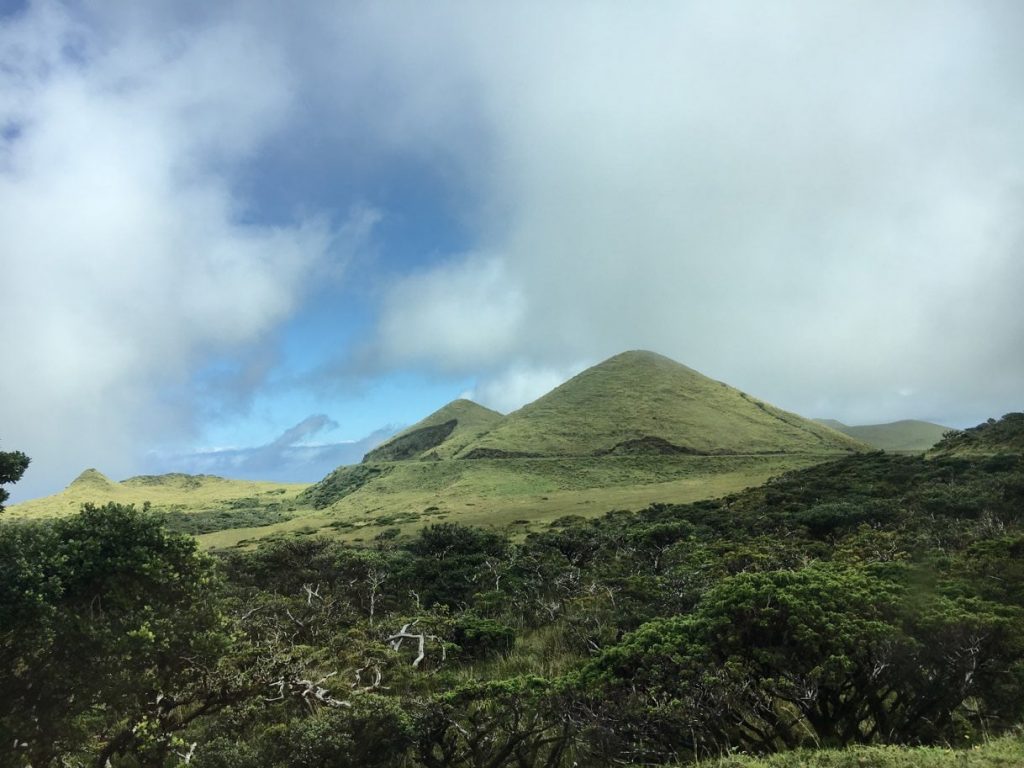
254,239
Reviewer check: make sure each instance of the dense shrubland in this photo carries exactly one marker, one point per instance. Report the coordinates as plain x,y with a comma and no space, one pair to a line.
875,599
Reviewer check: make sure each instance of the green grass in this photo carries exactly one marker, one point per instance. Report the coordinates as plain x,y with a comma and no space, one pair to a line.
900,436
520,494
1006,752
639,395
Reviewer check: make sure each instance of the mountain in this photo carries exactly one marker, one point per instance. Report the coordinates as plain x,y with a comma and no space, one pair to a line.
441,435
642,402
904,436
634,430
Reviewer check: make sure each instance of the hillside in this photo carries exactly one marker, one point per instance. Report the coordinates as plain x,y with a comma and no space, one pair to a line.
642,402
907,435
439,436
989,439
634,430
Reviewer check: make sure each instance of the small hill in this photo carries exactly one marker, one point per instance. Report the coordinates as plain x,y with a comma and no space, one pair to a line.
902,436
439,436
642,402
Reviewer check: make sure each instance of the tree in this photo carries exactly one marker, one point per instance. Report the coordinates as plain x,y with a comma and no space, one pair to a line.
12,466
109,632
827,653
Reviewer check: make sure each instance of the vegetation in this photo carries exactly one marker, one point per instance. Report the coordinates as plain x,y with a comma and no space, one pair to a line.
12,466
874,602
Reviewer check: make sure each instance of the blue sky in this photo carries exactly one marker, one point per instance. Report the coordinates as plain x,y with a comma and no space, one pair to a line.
252,241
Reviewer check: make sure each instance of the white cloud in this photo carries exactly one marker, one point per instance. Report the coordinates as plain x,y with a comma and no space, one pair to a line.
461,313
126,257
816,202
518,384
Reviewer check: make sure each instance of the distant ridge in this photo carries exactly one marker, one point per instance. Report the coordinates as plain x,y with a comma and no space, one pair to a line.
440,435
643,402
906,435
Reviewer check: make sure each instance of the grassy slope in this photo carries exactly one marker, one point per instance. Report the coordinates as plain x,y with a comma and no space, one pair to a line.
642,394
472,421
522,493
1006,752
907,435
989,439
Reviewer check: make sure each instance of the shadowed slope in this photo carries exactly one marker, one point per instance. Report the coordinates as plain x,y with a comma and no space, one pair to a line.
439,436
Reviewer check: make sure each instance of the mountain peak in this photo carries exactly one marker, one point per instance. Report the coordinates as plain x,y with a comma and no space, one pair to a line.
640,401
91,477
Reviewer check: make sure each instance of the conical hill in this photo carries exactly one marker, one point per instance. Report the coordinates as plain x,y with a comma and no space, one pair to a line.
91,478
642,402
439,436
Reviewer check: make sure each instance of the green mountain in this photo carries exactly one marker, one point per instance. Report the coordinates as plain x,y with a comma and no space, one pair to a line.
903,436
634,430
441,435
643,403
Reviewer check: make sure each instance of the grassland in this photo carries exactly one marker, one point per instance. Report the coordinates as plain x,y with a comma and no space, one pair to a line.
1006,752
519,495
190,503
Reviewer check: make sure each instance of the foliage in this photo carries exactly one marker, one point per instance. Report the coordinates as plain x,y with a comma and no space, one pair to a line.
872,600
12,466
108,625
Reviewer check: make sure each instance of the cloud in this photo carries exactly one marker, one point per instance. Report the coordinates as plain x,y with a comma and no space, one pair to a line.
128,260
818,203
463,313
513,385
292,457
